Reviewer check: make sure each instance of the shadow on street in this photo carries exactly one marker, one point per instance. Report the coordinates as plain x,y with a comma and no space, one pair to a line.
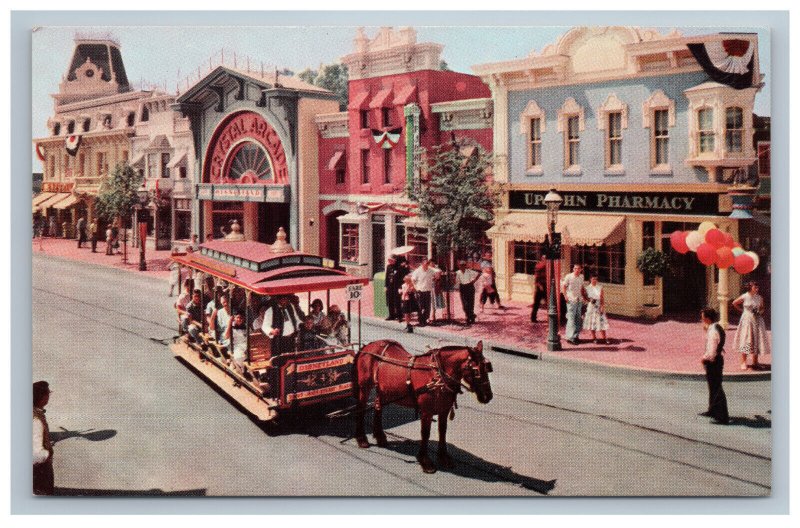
78,492
89,434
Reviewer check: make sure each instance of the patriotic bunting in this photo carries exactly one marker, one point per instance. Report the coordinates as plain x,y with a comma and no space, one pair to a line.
72,143
386,138
39,152
728,61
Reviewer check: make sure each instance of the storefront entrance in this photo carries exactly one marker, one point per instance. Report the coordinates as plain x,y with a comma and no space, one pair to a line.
378,243
684,288
271,217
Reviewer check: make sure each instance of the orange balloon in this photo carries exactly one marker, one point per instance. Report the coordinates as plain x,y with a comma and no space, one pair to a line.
724,257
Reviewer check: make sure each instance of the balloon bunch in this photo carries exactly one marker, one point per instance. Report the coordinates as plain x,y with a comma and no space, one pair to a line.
714,247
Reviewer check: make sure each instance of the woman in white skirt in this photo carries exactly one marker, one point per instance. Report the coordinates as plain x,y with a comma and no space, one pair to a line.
751,335
595,320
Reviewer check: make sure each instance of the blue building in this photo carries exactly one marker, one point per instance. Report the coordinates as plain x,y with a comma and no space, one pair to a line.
642,133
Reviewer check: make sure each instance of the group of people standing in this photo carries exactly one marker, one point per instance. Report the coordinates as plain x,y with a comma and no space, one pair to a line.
578,294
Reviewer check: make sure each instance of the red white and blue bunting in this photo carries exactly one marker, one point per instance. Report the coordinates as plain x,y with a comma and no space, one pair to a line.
39,152
72,143
386,138
727,61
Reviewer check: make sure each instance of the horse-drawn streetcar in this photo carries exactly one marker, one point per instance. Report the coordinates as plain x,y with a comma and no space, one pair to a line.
234,321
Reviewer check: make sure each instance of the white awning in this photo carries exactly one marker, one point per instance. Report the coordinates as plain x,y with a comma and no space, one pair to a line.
352,218
416,222
50,202
39,199
138,160
575,229
67,202
179,159
336,160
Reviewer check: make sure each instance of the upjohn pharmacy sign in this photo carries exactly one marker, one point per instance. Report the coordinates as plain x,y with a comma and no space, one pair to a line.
623,202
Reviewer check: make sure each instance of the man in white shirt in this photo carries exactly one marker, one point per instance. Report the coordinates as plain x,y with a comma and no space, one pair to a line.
574,292
713,363
43,481
423,278
466,278
280,323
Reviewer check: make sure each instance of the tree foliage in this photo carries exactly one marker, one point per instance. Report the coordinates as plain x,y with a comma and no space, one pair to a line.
119,193
333,77
453,193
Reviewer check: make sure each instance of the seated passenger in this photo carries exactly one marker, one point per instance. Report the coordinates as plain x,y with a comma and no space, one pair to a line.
219,320
280,323
237,331
317,314
335,325
183,299
307,338
193,323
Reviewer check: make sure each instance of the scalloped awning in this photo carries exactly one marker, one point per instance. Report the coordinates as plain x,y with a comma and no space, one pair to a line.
575,229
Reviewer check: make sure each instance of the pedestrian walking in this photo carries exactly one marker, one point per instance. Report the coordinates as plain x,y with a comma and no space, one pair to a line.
174,277
713,363
751,335
466,279
93,231
407,298
488,288
392,286
109,241
596,320
539,286
43,477
52,229
423,278
573,289
115,238
80,227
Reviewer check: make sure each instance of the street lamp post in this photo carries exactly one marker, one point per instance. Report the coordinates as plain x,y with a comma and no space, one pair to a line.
553,248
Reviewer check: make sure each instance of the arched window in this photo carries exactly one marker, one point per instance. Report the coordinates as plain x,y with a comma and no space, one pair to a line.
250,163
145,114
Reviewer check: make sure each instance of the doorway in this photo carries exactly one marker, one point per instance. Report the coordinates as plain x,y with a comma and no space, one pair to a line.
378,243
332,233
684,284
272,216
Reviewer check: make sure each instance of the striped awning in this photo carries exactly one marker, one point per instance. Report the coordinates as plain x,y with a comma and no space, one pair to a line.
381,99
50,202
336,161
575,229
39,199
359,101
66,203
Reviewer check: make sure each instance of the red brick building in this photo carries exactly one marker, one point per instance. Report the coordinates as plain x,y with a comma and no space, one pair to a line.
400,101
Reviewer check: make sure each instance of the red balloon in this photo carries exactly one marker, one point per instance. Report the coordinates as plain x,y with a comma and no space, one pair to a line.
744,264
729,241
707,254
715,237
725,257
678,241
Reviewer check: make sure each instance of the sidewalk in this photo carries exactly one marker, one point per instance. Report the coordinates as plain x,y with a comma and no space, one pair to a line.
663,346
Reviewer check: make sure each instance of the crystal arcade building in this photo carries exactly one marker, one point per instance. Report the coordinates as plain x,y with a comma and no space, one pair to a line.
255,154
639,139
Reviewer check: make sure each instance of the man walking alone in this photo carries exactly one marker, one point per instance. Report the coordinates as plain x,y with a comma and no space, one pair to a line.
43,479
466,279
713,363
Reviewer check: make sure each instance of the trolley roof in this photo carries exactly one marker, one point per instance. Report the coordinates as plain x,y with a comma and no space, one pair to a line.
256,267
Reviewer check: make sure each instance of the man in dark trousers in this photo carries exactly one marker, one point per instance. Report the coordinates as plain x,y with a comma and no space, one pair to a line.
713,362
539,286
43,480
466,279
81,228
281,324
392,288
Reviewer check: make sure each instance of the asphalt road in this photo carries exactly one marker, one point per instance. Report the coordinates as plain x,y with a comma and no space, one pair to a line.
128,418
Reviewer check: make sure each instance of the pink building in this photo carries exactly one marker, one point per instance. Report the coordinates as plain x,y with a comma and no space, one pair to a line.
401,101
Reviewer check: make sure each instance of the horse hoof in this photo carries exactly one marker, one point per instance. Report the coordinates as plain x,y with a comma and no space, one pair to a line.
362,442
446,462
381,441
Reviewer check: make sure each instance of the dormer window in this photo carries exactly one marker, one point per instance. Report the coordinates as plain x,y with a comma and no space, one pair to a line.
87,124
56,129
705,129
145,114
131,118
71,127
734,128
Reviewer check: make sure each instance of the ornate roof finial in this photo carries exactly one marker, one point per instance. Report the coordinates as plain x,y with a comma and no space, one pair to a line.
281,245
235,234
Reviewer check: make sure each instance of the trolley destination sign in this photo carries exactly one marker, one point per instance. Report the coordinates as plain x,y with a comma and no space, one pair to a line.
623,202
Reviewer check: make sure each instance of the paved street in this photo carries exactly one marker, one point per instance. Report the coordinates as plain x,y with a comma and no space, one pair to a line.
129,417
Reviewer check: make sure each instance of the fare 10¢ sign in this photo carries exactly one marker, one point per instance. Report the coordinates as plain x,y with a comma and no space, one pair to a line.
354,292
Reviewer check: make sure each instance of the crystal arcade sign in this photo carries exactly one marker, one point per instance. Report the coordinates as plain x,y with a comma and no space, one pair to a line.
623,202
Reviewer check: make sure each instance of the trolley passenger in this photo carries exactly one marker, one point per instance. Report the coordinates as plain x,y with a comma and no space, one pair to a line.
238,331
219,321
307,338
193,323
336,326
316,313
183,299
280,323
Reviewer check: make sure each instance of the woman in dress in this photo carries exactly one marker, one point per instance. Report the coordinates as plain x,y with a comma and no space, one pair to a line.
751,335
487,285
595,320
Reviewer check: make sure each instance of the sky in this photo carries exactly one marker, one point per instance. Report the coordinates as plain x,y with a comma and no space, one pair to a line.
164,55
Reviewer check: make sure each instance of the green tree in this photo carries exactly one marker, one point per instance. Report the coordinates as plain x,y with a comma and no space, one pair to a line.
452,194
308,75
334,77
443,66
118,196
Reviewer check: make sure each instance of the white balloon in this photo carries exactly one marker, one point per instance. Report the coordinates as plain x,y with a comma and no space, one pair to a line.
754,256
694,239
705,227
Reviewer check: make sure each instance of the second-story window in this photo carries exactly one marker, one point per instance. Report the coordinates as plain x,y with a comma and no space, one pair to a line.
152,165
572,141
660,145
71,127
102,164
145,114
365,166
734,129
387,166
705,129
340,175
386,116
614,145
87,123
364,116
182,171
56,129
536,142
165,165
131,118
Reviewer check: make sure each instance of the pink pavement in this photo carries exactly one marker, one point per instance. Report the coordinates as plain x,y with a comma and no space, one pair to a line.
666,345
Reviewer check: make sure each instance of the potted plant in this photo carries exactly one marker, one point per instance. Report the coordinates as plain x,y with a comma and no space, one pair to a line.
653,263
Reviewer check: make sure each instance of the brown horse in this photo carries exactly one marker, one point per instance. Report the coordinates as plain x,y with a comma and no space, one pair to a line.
428,383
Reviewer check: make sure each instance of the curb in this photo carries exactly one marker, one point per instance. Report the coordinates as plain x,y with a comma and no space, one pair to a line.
555,357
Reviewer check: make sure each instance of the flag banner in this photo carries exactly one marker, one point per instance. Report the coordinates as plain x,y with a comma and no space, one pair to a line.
39,152
387,138
72,143
729,61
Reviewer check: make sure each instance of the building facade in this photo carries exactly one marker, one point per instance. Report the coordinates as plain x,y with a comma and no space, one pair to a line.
401,102
94,119
255,154
627,126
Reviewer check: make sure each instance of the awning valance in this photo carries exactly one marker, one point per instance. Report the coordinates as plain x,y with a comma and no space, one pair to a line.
352,218
137,160
336,161
575,229
178,160
381,99
50,202
359,101
405,95
67,202
40,198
